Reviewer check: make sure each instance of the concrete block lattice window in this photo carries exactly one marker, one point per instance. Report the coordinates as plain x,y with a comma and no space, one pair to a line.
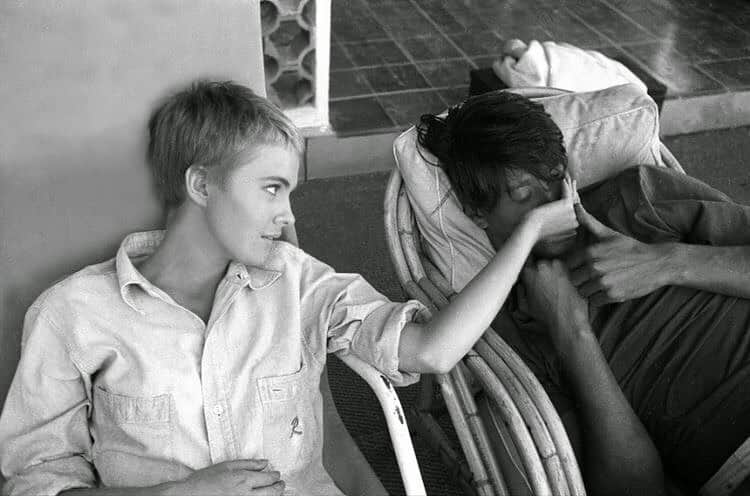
296,46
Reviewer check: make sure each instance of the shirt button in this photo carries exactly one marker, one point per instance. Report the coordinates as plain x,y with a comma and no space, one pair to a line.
218,409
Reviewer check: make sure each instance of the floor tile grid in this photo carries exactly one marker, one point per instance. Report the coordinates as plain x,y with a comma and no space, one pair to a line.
699,65
438,30
624,47
431,98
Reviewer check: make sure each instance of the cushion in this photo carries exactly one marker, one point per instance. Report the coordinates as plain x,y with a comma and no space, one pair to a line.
604,132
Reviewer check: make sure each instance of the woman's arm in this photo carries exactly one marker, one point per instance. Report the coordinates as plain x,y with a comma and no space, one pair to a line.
436,347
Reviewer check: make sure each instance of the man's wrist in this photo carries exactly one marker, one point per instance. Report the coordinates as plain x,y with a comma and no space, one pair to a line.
675,268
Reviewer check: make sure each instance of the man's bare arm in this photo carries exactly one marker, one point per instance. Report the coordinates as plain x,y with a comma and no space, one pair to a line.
618,455
719,269
619,268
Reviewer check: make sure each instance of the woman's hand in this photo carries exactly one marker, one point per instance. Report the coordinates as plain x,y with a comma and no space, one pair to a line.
557,219
246,477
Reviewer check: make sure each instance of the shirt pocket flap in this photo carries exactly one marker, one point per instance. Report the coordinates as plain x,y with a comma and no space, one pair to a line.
278,388
125,409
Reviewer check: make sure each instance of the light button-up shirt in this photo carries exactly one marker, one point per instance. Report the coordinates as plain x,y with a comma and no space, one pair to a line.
119,385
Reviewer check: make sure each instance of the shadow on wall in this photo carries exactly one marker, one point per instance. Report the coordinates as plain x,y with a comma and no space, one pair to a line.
66,206
78,84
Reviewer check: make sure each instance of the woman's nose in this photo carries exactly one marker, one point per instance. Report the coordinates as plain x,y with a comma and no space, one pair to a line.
285,218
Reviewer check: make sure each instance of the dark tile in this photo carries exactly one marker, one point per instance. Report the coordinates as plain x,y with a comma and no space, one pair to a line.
526,33
357,29
732,73
659,19
563,26
409,27
680,76
394,78
608,22
446,72
375,53
479,43
347,9
445,20
736,12
508,15
704,42
485,60
339,59
471,20
430,47
392,10
453,96
357,115
348,83
406,108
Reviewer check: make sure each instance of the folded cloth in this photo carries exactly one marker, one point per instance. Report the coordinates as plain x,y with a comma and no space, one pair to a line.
560,65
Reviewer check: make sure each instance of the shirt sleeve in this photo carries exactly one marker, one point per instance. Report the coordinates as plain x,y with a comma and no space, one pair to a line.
45,443
656,204
358,319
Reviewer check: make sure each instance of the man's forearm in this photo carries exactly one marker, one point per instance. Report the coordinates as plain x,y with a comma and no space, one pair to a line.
618,453
719,269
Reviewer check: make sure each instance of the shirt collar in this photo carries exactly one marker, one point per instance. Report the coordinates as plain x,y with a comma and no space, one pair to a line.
254,277
141,244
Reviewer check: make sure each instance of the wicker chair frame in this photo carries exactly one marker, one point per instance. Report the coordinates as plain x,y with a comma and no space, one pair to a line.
525,411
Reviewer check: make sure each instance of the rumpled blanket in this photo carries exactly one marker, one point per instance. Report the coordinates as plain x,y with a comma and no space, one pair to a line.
560,65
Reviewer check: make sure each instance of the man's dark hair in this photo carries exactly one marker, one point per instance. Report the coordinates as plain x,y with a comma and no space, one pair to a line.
210,123
487,135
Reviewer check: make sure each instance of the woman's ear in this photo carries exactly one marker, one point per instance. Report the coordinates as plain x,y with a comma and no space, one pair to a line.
196,182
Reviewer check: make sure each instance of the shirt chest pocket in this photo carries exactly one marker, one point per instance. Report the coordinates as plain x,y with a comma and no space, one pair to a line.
291,419
129,429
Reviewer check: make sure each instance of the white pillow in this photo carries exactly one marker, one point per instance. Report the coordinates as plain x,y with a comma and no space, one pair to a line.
604,132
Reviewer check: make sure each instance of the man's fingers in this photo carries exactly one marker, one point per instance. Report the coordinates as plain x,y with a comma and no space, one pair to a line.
576,259
599,299
590,288
591,223
580,275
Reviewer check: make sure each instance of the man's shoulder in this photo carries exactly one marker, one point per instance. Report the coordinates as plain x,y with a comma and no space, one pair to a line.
636,182
643,172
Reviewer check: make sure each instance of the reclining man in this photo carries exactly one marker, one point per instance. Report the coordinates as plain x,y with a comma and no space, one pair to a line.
637,325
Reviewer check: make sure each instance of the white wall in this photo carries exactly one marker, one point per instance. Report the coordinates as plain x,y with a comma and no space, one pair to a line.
77,82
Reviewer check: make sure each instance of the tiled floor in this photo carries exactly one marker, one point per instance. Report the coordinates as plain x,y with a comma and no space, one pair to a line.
392,60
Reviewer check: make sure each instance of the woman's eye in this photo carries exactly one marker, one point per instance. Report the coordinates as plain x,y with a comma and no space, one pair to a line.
520,194
273,189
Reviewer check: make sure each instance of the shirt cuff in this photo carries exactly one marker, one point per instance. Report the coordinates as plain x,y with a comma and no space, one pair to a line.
382,347
51,478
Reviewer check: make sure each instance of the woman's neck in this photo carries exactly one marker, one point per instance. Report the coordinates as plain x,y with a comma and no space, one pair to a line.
187,261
